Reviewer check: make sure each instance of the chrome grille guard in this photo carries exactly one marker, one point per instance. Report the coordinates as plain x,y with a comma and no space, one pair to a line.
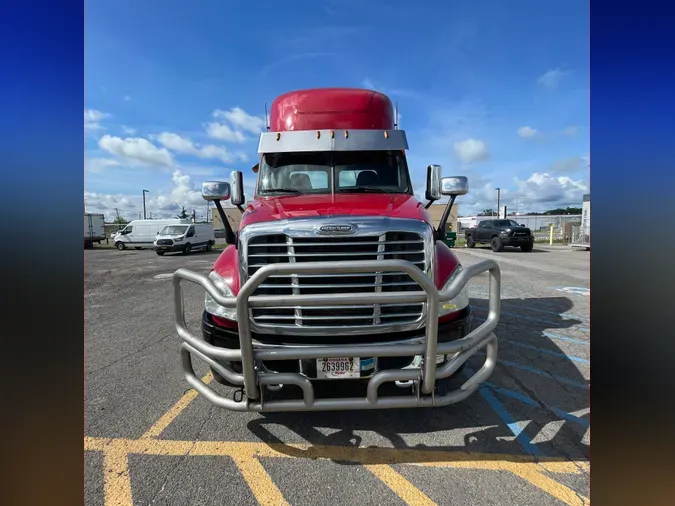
252,377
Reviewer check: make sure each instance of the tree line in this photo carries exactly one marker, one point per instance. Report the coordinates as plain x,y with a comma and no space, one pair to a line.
558,211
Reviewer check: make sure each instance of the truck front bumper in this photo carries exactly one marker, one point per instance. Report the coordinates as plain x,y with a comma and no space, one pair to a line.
517,240
255,377
172,248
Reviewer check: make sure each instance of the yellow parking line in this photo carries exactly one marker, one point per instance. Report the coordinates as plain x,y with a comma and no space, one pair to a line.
377,460
529,472
116,480
408,492
165,420
370,456
550,486
260,483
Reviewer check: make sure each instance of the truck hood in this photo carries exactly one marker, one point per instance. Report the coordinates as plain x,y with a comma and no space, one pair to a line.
316,206
520,230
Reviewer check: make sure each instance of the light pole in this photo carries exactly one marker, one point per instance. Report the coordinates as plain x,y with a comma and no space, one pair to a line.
144,192
498,195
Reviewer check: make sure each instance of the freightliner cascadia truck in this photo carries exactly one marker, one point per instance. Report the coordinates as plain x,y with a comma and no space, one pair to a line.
336,292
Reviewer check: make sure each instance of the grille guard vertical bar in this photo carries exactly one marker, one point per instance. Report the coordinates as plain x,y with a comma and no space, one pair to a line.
464,347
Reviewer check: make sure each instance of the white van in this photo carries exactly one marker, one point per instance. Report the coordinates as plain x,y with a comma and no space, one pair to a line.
185,238
142,233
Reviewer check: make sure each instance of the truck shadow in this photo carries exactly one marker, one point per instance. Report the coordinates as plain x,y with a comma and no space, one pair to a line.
535,403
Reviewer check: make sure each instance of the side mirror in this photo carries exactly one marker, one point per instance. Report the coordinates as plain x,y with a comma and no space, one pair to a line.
456,185
215,190
433,183
522,225
237,185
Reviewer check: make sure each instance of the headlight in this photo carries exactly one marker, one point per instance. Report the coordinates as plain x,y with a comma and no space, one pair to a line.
178,239
460,301
212,307
504,232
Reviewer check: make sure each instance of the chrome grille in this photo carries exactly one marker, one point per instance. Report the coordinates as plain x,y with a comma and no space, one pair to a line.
284,248
164,242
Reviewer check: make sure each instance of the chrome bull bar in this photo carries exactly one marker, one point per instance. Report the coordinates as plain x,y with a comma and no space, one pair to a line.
252,378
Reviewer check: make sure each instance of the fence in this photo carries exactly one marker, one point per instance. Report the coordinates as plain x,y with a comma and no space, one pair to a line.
579,237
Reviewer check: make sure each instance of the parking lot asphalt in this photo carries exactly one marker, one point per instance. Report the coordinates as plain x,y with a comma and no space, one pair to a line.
521,439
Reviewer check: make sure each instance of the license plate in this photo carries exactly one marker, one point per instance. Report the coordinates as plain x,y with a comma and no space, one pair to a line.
338,368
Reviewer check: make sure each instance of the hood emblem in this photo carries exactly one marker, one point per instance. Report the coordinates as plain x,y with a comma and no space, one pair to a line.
343,228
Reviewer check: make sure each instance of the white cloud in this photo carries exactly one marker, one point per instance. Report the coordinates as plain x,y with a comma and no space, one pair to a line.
527,132
571,131
471,150
128,130
175,142
179,144
184,193
93,118
240,119
551,79
543,188
224,132
99,164
136,149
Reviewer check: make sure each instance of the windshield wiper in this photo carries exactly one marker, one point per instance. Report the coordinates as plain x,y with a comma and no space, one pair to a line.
283,190
364,189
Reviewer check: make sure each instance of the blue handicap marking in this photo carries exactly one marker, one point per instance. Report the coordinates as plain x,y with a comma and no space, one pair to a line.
577,290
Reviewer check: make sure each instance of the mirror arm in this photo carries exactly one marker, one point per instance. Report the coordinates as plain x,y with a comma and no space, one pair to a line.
428,204
241,209
440,233
230,238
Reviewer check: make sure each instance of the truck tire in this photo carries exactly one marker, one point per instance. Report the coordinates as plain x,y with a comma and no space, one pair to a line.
160,253
527,247
209,245
496,244
470,243
187,249
120,246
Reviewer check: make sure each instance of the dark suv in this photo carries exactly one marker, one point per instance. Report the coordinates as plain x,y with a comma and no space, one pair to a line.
500,233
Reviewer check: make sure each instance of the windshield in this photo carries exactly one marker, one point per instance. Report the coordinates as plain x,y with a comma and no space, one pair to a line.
508,223
339,172
173,230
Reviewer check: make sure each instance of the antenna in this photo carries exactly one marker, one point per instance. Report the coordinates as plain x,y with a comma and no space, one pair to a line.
396,119
267,124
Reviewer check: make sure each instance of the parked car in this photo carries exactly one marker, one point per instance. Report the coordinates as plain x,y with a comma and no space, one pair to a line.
500,233
142,233
184,238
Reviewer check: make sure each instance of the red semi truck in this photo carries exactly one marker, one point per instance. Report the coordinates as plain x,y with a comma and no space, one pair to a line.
336,276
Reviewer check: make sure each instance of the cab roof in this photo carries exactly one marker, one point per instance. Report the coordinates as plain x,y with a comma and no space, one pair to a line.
332,108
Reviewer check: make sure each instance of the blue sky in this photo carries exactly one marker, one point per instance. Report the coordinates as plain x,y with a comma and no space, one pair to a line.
496,90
